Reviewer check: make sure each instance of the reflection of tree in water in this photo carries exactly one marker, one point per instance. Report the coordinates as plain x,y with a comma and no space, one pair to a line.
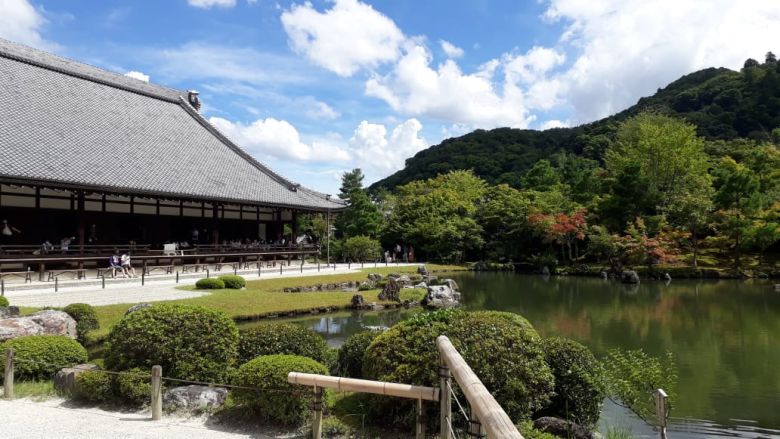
725,335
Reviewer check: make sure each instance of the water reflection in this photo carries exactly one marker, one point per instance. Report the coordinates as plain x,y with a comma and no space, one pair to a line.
725,336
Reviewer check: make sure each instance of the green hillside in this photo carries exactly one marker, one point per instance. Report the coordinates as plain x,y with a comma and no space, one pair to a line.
722,103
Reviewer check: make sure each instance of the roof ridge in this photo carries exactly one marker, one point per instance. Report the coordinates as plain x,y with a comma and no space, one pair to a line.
68,66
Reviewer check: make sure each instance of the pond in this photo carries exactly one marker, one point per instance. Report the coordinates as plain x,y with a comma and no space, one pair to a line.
725,336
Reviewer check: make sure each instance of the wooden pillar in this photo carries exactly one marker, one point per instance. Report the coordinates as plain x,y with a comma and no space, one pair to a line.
445,399
215,224
294,225
82,222
156,393
316,422
8,379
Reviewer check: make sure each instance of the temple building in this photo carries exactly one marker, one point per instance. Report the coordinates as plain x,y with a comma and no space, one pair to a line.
108,159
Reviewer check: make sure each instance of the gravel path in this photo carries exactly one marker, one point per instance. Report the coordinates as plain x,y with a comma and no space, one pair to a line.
55,418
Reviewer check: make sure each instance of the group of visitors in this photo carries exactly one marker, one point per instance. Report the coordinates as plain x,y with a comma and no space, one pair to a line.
400,253
121,264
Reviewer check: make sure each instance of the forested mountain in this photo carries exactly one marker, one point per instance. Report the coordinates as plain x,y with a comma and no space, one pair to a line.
722,103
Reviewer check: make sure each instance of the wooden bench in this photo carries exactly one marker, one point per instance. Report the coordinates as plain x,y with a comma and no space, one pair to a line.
166,269
79,273
27,275
185,268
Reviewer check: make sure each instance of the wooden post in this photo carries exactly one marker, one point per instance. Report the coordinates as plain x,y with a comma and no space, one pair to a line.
475,427
316,422
419,432
8,379
661,398
445,401
156,393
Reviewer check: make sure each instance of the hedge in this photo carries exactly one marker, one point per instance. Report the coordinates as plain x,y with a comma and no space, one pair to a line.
281,338
94,386
579,390
134,386
350,360
4,301
85,317
210,283
502,348
233,282
49,353
287,404
189,342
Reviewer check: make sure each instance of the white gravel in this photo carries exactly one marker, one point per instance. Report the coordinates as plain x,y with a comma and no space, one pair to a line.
56,418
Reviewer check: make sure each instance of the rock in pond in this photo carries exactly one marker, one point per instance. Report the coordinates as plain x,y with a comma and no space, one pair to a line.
357,302
441,297
629,277
195,397
391,291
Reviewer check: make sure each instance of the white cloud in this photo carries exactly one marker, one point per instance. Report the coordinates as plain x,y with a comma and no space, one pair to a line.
450,49
345,38
553,123
628,48
270,137
320,110
379,153
21,22
205,4
198,61
137,75
415,88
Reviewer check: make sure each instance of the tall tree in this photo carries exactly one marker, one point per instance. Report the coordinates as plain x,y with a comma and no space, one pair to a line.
361,217
437,216
351,181
737,196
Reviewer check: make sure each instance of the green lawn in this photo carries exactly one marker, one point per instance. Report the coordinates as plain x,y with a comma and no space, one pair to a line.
263,297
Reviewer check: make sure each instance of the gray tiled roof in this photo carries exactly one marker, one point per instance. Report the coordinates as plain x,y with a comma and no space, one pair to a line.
73,124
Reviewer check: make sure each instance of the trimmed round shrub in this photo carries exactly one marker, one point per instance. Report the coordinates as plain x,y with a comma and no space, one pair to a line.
210,283
93,386
350,361
189,342
85,317
41,356
233,282
281,338
578,381
4,301
502,348
134,386
288,404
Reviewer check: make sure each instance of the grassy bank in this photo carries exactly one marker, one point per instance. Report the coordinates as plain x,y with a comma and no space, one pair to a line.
265,296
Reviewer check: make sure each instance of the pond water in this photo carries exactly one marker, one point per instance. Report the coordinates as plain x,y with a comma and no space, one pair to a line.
725,336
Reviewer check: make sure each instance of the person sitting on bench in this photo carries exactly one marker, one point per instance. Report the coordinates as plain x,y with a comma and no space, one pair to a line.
127,268
115,264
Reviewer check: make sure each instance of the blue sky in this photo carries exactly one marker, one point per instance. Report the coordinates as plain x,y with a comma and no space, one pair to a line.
317,88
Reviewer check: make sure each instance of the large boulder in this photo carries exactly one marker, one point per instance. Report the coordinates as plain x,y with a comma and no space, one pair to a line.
48,322
441,297
562,428
451,283
374,277
391,291
195,397
55,322
629,277
404,280
9,311
65,379
422,270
